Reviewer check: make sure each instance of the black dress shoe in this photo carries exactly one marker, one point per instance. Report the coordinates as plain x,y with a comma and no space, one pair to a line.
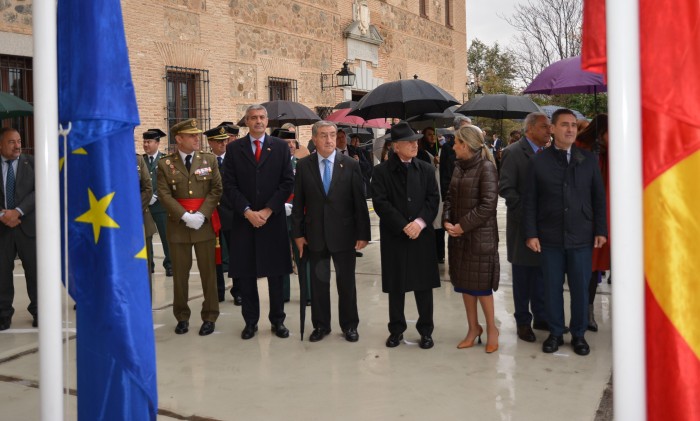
394,340
358,254
5,323
526,334
280,330
426,342
35,322
351,335
182,327
249,331
207,328
237,300
551,344
168,272
318,334
540,325
580,345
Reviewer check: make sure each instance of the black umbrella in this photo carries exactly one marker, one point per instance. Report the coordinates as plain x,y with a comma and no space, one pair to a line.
280,112
364,134
345,104
403,99
11,106
499,106
435,120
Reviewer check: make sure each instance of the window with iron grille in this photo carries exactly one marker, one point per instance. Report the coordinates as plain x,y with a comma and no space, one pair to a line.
16,79
187,96
282,89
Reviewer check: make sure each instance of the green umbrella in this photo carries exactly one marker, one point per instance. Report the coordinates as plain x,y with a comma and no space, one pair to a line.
11,106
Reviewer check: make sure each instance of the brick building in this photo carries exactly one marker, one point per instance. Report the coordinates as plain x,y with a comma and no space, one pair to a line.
209,59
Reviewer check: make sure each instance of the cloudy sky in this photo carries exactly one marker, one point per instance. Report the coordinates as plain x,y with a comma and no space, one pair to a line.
484,21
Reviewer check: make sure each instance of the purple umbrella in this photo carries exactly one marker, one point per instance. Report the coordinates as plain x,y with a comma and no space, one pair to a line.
566,77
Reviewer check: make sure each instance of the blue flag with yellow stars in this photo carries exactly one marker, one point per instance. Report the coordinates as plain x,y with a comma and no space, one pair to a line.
107,273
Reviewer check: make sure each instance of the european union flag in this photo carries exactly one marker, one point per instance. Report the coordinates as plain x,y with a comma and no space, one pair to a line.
107,271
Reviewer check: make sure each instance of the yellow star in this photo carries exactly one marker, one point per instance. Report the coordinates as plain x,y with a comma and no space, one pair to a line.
61,161
97,215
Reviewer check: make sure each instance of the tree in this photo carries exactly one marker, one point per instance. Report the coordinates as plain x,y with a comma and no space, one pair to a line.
548,31
492,68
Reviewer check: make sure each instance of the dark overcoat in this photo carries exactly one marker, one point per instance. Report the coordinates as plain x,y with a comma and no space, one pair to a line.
264,251
565,202
401,195
471,202
515,165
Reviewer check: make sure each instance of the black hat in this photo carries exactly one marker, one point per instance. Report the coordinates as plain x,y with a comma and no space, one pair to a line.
218,134
403,132
153,134
284,134
230,128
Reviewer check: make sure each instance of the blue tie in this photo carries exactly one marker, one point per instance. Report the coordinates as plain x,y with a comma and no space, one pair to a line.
219,160
10,185
326,175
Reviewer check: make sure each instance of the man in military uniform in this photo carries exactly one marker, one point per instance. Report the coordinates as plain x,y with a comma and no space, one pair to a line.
148,224
189,187
151,143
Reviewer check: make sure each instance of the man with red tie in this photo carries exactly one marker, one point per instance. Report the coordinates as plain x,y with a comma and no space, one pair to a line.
258,179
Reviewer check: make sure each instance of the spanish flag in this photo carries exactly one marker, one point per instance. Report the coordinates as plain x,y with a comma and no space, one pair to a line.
670,94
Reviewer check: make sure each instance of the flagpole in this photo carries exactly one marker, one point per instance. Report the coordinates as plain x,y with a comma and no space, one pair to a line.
47,209
627,229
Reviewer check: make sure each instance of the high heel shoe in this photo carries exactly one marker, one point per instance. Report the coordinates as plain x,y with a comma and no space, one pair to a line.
465,344
492,348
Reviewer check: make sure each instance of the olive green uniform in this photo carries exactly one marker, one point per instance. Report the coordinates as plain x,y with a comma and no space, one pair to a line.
148,224
202,181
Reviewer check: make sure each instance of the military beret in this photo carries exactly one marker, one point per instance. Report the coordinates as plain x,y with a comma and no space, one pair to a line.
186,127
153,134
217,134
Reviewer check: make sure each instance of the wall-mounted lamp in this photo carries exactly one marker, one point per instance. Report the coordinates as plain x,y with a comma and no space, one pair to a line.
344,78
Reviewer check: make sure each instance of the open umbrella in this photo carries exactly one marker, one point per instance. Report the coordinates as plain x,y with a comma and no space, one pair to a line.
435,120
341,117
550,109
11,106
365,135
499,106
280,112
566,77
403,99
345,104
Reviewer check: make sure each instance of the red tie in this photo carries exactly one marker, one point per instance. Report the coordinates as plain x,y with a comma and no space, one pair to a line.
257,150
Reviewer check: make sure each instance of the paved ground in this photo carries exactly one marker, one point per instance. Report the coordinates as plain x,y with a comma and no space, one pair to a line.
221,377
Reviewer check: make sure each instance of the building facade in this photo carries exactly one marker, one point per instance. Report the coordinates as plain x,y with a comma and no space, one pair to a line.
210,59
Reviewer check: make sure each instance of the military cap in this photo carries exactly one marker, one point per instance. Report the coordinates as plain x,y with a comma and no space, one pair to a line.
186,127
231,128
284,134
153,134
217,134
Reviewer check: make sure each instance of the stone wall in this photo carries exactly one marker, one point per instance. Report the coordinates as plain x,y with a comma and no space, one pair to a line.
16,16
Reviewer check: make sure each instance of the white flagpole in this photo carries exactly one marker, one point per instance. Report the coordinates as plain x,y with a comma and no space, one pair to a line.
627,234
47,209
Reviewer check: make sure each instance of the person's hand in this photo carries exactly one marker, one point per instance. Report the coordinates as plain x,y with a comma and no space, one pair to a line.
533,244
455,230
288,209
199,219
189,220
154,199
360,244
10,217
412,230
599,241
254,218
300,242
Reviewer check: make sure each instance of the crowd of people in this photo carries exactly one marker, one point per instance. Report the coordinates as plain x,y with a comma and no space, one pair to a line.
258,205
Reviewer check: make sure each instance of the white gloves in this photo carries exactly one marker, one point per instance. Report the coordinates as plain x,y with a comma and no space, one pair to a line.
154,199
288,209
193,220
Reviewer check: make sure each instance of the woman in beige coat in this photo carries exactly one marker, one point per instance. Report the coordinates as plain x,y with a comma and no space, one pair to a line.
469,217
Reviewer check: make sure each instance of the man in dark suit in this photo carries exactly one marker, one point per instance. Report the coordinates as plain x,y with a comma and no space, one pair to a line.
189,185
330,216
564,218
258,179
528,287
406,198
17,224
151,143
448,157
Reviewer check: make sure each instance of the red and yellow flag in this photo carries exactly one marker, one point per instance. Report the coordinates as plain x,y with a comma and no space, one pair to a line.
670,92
